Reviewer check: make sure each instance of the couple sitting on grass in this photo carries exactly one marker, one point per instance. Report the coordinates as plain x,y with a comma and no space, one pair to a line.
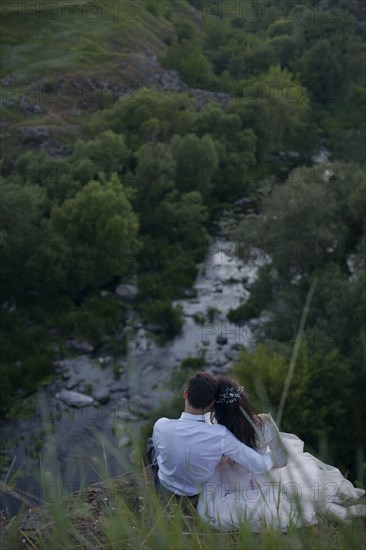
239,468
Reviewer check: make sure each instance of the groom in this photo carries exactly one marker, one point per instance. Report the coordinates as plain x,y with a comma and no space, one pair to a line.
186,451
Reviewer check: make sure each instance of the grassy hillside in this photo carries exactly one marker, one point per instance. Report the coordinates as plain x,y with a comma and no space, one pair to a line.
79,37
72,60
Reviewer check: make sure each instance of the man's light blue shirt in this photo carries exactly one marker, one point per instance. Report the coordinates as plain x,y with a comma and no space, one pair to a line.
189,449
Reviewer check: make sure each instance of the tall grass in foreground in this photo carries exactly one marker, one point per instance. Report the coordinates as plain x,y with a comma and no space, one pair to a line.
126,513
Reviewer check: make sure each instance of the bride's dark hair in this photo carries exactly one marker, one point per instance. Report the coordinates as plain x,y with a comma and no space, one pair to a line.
229,414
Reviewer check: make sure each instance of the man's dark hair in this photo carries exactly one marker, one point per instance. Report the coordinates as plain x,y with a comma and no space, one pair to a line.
201,389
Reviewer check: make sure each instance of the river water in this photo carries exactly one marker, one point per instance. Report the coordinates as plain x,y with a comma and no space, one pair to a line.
81,445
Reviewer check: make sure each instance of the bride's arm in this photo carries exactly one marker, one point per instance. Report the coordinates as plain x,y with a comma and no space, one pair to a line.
272,438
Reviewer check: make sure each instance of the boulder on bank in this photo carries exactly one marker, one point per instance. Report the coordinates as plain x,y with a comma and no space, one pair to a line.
127,292
189,293
232,354
102,396
74,398
79,345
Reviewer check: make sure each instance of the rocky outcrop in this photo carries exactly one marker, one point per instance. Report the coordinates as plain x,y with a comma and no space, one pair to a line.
33,135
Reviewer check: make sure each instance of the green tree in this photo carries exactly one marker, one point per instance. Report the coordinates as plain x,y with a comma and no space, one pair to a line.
182,219
329,54
185,30
319,393
235,146
107,151
260,59
192,156
299,227
274,105
162,313
99,230
213,120
21,212
187,58
153,179
61,178
171,113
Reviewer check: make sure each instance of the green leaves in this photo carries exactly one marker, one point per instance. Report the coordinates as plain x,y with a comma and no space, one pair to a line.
21,212
319,392
329,54
153,179
192,155
107,152
187,57
101,226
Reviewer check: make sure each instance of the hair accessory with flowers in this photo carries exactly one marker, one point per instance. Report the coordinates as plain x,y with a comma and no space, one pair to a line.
230,395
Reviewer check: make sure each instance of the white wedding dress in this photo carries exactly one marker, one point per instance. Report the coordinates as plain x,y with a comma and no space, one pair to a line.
296,494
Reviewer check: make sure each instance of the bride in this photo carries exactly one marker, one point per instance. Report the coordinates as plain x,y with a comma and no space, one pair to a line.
296,494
